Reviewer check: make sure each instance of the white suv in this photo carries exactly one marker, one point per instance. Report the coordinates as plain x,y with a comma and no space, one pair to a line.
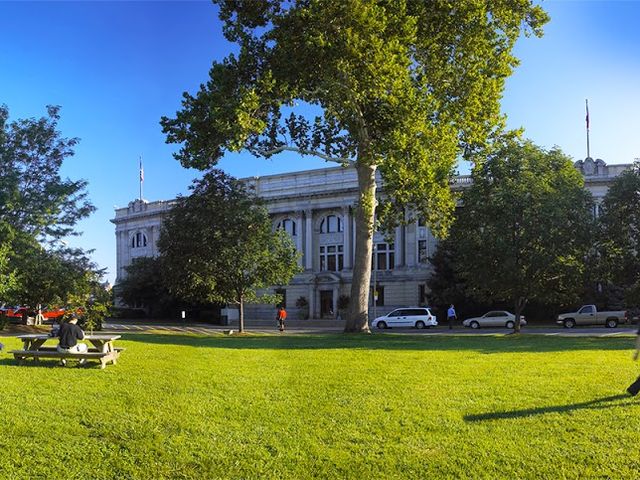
418,317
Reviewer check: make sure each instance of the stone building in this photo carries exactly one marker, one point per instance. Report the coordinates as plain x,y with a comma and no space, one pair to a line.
316,208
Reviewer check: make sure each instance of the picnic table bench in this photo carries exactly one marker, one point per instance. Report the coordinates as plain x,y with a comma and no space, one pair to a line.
102,350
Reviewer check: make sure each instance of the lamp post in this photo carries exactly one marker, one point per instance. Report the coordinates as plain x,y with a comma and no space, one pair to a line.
375,282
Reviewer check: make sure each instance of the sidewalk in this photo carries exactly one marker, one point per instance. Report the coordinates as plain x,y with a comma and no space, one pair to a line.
259,326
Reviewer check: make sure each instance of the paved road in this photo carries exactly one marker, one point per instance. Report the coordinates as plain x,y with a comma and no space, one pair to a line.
208,329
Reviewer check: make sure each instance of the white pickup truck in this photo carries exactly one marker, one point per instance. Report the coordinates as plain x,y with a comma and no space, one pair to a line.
589,315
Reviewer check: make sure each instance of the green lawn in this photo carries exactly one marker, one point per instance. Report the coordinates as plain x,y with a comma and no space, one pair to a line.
327,406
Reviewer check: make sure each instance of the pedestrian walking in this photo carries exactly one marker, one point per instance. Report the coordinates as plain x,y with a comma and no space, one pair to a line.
281,317
634,388
451,316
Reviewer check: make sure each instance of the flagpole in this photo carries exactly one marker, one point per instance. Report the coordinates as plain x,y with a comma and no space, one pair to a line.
141,177
586,103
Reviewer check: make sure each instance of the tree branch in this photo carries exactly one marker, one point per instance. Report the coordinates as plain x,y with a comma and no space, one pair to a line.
345,162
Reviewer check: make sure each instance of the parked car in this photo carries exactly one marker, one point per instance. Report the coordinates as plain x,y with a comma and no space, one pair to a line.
418,317
17,311
494,318
589,315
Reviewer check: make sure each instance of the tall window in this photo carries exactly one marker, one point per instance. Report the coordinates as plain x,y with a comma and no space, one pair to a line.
384,256
331,224
139,240
331,258
423,253
288,226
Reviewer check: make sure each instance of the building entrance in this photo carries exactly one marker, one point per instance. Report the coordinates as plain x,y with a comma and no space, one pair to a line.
326,304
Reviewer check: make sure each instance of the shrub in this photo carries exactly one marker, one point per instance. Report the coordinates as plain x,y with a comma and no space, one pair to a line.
343,302
303,308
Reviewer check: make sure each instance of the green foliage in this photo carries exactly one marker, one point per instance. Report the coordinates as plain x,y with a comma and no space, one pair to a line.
145,284
303,308
7,273
343,302
400,87
34,198
619,236
37,209
302,302
447,286
91,301
217,244
525,228
327,406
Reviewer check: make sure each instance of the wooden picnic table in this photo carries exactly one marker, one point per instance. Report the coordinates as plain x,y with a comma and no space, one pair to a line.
103,348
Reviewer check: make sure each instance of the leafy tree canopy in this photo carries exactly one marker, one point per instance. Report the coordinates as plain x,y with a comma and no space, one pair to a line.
34,199
619,243
145,283
525,227
402,86
217,244
37,208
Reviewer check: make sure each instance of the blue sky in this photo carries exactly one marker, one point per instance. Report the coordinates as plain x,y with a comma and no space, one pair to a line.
117,67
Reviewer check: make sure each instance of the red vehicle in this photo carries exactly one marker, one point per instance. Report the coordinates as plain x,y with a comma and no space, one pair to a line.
49,314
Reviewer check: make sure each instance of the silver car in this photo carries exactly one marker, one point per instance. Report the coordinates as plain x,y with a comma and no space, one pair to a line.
494,318
417,317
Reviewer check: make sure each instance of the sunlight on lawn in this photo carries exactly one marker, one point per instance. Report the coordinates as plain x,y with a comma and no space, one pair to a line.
326,406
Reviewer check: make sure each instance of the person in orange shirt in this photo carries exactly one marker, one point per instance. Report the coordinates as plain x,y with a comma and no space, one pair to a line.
281,317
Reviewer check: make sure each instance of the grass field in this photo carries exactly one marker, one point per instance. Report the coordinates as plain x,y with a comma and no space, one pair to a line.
327,406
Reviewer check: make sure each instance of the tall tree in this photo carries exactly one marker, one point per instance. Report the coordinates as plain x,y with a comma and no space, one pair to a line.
37,208
7,273
34,198
619,237
217,245
525,227
403,88
145,283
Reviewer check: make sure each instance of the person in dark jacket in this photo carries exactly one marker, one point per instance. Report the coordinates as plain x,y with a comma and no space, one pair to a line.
69,335
634,388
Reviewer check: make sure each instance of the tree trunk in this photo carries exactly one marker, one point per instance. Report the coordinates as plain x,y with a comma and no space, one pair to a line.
519,306
357,318
240,314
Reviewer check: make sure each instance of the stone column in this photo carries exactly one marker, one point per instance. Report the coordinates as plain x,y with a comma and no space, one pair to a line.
399,246
308,249
152,240
346,235
298,237
312,301
124,253
336,291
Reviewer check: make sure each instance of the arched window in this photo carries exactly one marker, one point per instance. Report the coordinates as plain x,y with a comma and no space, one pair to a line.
139,240
288,226
331,224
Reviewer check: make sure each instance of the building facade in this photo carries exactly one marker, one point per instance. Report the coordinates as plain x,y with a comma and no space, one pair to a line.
316,208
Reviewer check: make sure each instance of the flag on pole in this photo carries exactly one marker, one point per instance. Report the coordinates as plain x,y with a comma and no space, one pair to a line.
141,171
586,102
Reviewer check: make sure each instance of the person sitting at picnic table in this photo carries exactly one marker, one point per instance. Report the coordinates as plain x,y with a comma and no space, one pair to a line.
69,335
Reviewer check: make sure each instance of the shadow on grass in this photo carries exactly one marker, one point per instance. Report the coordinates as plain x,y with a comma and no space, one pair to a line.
597,404
483,344
12,362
